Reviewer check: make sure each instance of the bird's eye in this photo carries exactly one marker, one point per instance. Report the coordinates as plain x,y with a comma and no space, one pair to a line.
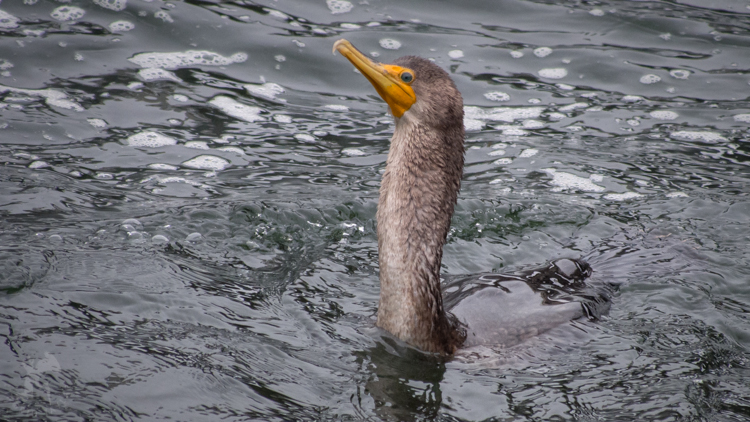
407,77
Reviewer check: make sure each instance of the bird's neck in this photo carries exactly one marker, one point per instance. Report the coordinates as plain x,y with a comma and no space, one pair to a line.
417,197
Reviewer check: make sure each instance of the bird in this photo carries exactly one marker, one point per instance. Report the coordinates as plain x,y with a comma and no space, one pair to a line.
418,194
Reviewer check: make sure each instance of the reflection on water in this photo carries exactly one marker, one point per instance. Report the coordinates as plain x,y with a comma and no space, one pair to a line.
188,193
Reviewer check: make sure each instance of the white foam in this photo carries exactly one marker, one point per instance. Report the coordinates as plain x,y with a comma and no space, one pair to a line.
338,7
679,73
196,145
336,107
455,54
528,153
677,194
161,14
554,73
304,137
503,114
194,237
533,124
97,123
497,96
115,5
568,181
8,21
181,98
389,44
556,116
149,139
503,161
745,118
650,79
161,166
664,114
234,150
282,118
574,106
350,26
512,130
496,153
38,165
267,90
121,26
67,13
159,239
207,162
181,59
632,98
236,109
622,196
51,97
516,54
542,51
596,12
157,74
353,152
473,125
702,136
565,87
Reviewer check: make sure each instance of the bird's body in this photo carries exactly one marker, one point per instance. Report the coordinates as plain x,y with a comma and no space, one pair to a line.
418,193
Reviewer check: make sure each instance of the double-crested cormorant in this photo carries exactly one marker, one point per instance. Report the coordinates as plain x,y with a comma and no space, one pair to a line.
418,193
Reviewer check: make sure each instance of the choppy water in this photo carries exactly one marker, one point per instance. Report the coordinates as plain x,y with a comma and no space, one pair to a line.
191,236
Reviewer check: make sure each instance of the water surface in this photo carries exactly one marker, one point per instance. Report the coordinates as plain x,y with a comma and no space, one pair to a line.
191,235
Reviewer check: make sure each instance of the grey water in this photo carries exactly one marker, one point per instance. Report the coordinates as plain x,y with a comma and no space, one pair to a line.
188,193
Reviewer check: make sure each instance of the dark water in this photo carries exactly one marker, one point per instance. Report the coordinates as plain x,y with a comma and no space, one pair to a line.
140,283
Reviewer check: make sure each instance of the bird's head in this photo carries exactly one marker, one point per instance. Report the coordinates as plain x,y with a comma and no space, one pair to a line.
411,86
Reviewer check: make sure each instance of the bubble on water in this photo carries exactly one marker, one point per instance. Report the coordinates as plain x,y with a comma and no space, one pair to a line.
282,118
389,44
455,54
164,16
745,118
38,165
573,106
702,136
353,152
542,51
632,98
503,161
267,90
194,237
207,162
234,150
67,13
55,238
177,60
104,176
516,54
663,115
622,196
472,125
503,114
567,181
157,74
679,73
149,139
236,109
497,96
196,145
650,79
162,166
304,137
596,12
51,97
336,107
97,123
677,194
530,152
8,21
159,239
496,152
115,5
121,26
554,73
338,7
